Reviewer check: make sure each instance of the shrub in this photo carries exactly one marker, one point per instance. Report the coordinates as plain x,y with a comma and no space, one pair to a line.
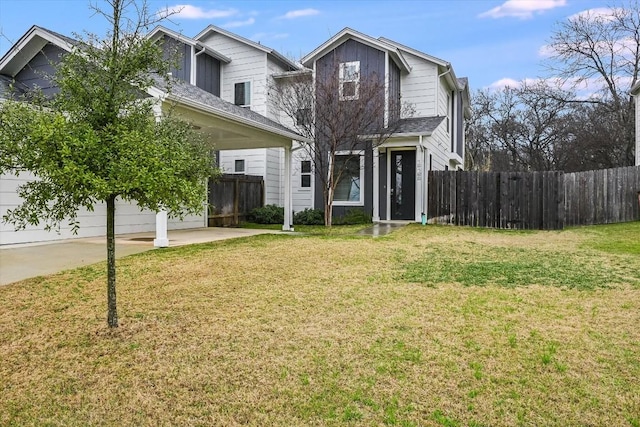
309,217
353,216
269,214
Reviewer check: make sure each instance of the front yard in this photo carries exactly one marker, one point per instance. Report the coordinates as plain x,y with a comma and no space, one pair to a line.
427,326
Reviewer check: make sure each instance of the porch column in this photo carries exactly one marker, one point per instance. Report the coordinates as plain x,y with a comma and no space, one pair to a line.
376,184
287,189
161,240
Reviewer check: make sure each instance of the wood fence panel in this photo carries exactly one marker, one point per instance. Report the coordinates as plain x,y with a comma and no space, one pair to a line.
232,197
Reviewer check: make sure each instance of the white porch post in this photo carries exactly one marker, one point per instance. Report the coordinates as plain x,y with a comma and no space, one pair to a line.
376,184
161,240
287,189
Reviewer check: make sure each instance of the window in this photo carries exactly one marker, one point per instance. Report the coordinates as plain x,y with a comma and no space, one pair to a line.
349,168
305,174
349,80
242,93
239,166
303,117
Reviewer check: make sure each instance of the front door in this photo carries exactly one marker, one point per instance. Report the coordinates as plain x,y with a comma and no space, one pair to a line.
403,185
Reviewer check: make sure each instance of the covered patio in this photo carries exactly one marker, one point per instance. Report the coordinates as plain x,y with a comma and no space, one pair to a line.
227,127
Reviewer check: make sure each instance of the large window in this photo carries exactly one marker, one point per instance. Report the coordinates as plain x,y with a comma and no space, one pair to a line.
242,94
349,80
349,171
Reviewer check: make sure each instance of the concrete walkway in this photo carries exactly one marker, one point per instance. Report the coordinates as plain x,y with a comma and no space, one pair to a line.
383,228
19,262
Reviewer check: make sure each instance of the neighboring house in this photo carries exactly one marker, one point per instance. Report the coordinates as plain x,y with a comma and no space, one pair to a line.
194,95
635,92
392,178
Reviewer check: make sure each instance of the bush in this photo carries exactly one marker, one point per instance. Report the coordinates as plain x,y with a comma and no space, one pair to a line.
309,217
269,214
352,217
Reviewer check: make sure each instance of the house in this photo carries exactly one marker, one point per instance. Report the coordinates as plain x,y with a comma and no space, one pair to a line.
391,178
222,83
635,92
194,95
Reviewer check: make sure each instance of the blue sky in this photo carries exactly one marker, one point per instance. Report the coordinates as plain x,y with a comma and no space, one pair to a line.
487,41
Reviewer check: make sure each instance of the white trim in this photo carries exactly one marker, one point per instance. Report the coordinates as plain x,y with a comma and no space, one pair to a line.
360,202
376,184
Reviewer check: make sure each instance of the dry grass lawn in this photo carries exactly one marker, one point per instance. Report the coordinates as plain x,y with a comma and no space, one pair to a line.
427,326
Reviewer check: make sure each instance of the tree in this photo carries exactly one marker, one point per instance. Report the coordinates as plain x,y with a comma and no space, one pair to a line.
522,128
343,111
600,49
98,139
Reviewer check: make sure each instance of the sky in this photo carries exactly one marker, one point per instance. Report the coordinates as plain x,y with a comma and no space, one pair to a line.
492,42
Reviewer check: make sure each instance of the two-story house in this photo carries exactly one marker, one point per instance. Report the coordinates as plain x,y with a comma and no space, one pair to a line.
202,80
392,177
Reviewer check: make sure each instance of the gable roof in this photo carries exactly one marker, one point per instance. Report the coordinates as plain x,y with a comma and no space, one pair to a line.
159,31
415,52
213,29
348,33
28,46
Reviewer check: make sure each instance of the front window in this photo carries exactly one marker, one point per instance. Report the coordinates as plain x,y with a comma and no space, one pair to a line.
349,80
349,172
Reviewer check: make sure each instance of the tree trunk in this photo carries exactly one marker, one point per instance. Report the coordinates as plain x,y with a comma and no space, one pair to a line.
112,310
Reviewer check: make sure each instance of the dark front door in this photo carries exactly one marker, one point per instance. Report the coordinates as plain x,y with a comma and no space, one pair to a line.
403,184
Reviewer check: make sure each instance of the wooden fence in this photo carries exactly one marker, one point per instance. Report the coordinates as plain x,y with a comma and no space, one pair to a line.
232,197
602,196
533,200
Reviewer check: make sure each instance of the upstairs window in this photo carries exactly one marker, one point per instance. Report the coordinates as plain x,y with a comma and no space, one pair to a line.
303,117
305,174
242,94
349,80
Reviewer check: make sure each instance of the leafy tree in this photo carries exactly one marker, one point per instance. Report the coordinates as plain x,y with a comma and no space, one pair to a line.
99,138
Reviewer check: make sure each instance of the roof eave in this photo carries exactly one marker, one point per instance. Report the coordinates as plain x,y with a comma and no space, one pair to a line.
23,42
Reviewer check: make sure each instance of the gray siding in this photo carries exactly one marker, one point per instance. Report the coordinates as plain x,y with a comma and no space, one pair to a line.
39,71
394,92
208,74
180,54
459,124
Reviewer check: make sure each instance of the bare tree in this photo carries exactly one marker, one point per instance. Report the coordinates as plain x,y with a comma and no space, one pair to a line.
343,111
524,128
601,50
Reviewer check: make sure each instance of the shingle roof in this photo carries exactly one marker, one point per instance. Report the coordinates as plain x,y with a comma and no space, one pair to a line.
188,91
419,125
463,82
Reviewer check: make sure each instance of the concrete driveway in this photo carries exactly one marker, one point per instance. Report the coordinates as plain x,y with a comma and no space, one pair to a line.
19,262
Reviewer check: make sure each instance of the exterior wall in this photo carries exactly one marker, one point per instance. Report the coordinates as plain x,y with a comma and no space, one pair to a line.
418,87
459,123
208,73
273,177
395,99
248,64
129,218
302,196
38,72
172,47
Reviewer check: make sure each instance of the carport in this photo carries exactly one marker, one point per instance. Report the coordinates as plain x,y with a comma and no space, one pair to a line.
227,126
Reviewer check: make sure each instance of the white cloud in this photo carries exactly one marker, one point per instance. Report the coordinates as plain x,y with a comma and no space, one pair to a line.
292,14
598,12
504,82
186,11
236,24
523,9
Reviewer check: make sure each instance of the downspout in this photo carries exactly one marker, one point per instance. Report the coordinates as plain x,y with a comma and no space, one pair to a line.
194,66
